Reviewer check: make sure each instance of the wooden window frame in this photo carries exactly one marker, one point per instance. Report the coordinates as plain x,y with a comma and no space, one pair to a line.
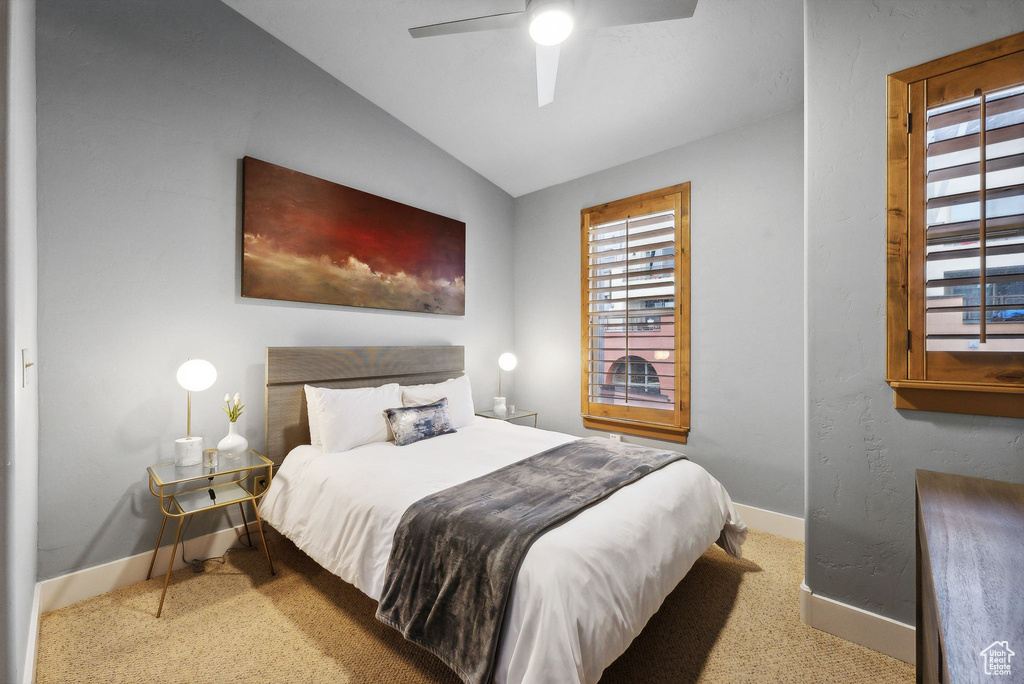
643,422
980,383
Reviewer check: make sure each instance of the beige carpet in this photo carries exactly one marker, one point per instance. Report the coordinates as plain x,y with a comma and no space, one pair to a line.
728,621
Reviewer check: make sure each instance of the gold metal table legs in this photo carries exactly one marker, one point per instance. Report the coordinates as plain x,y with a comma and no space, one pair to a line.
259,526
156,548
188,502
170,565
177,539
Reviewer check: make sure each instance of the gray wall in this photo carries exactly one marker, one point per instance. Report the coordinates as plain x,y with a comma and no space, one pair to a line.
19,418
861,452
145,108
747,337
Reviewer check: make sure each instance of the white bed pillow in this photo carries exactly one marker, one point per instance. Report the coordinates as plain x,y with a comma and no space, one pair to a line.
457,391
354,417
313,414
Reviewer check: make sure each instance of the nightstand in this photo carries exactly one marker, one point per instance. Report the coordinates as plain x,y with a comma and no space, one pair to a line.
509,416
193,496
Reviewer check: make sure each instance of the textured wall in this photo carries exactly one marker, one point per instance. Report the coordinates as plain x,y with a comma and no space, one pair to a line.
747,349
19,405
145,108
862,453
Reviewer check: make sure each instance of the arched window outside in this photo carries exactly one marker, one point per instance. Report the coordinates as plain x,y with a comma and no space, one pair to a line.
642,375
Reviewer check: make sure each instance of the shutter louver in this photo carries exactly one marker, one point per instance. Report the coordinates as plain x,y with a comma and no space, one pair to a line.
954,308
632,312
635,315
975,224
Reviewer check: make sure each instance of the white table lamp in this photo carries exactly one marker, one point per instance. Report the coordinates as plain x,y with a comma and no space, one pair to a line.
195,375
506,362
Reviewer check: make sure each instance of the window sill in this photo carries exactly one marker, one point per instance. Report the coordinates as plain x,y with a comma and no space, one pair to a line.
947,397
667,433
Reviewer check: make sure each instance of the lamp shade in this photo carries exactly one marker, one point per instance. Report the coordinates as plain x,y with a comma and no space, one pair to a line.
507,361
196,375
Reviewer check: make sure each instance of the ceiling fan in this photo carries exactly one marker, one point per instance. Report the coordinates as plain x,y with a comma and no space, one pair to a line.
551,21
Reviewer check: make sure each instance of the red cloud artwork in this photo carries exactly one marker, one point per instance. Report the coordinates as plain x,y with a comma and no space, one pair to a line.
310,240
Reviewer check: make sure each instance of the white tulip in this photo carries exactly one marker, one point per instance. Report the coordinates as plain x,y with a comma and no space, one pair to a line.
238,398
227,398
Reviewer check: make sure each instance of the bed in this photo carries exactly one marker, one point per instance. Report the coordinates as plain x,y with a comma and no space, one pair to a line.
584,590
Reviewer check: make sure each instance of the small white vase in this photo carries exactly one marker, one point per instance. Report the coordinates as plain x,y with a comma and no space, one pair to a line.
234,444
499,407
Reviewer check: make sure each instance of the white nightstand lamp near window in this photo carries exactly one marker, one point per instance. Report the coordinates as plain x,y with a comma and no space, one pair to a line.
506,362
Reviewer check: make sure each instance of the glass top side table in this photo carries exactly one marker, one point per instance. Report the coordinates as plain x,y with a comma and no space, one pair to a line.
193,495
509,416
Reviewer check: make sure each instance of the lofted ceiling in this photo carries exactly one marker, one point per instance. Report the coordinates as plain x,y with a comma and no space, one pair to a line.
622,93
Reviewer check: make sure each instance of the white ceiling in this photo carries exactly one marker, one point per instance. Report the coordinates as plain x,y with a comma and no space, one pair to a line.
622,93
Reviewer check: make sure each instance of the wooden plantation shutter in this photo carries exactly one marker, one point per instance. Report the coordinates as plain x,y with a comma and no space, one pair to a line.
635,314
956,232
974,225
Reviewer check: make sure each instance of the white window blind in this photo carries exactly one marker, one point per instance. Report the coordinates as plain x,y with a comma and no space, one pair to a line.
974,295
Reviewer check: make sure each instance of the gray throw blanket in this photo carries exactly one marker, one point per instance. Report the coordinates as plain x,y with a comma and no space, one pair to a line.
456,552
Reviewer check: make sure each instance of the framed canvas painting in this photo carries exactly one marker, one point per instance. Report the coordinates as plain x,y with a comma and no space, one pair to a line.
306,239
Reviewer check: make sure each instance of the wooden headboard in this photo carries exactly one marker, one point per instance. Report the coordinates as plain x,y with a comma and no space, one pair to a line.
289,368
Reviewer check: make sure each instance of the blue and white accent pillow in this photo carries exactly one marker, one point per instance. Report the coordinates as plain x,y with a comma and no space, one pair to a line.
415,423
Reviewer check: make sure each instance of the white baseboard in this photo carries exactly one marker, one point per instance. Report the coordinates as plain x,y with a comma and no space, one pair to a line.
879,633
863,627
76,586
788,526
32,649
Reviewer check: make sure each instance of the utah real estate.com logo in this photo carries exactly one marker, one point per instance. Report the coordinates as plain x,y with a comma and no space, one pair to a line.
997,658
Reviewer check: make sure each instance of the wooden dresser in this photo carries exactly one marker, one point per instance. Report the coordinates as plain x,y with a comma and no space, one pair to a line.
970,578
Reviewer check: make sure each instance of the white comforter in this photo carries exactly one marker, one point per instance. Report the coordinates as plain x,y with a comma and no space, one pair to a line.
585,589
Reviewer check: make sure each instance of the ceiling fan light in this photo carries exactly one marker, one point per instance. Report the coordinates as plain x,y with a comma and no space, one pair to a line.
550,26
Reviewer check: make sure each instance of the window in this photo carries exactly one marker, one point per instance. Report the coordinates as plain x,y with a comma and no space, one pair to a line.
642,379
955,282
636,315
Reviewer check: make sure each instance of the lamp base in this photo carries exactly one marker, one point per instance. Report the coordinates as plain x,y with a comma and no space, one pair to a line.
188,451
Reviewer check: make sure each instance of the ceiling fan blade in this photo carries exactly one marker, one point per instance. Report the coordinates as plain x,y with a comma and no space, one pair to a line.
602,13
488,23
547,69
